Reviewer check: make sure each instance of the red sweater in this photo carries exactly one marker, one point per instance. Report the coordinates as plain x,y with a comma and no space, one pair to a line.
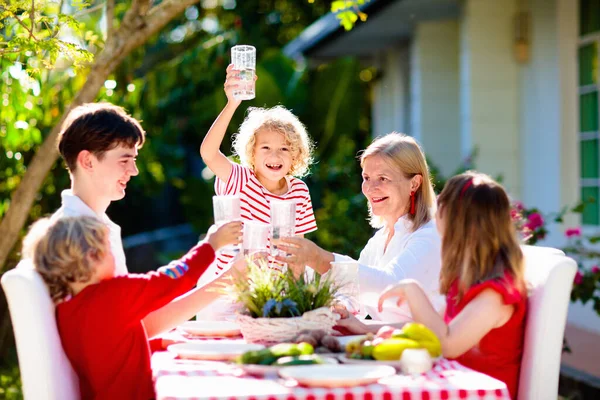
102,333
498,354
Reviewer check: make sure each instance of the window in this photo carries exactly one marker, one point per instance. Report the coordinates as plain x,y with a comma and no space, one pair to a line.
589,137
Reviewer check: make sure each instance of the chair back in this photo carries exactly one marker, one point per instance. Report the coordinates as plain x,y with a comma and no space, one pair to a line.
46,373
549,274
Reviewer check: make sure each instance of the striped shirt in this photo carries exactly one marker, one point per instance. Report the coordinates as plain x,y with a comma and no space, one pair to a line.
255,203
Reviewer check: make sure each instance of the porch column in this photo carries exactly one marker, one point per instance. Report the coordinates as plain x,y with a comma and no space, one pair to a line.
489,95
435,92
390,92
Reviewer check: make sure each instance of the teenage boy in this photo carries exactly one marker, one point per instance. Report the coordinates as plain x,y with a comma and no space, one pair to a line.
99,143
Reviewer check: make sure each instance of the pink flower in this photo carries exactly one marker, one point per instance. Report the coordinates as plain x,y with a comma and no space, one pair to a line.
595,269
573,232
518,206
578,278
515,215
535,221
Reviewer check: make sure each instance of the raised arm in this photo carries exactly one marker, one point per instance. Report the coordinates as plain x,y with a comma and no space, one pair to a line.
210,147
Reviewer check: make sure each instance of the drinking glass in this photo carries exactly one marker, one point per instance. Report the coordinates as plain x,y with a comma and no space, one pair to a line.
255,237
243,58
345,274
283,221
227,209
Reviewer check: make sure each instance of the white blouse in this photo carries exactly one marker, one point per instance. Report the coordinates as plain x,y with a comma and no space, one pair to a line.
409,255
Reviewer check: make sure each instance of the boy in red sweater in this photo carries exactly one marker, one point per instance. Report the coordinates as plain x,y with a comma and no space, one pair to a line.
99,315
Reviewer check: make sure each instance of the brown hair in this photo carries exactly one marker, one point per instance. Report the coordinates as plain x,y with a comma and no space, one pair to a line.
278,119
480,241
403,153
61,251
97,128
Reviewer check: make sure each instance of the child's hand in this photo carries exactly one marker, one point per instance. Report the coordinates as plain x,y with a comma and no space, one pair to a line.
393,291
229,233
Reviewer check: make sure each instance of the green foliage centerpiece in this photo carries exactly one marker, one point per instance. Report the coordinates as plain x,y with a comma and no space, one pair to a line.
276,305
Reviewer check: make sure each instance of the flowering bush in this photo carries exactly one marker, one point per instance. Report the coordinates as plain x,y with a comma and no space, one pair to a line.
531,225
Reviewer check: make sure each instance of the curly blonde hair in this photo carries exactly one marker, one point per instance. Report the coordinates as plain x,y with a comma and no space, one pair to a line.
277,119
62,251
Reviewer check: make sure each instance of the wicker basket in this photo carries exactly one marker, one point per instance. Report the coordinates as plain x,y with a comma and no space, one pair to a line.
277,330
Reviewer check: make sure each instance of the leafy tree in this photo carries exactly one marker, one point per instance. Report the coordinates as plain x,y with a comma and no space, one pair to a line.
34,27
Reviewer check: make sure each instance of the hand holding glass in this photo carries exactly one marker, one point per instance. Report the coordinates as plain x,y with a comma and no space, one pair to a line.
243,58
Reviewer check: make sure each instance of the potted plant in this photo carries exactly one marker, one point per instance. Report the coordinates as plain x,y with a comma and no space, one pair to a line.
276,305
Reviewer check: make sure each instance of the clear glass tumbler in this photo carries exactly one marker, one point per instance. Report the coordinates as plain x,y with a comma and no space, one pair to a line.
243,58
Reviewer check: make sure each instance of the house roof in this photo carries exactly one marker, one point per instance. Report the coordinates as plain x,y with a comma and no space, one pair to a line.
389,22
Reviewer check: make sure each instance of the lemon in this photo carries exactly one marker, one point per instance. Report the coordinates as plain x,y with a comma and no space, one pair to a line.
391,349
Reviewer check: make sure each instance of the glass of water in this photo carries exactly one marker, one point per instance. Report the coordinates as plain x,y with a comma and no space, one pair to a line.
255,237
243,58
345,274
283,221
227,209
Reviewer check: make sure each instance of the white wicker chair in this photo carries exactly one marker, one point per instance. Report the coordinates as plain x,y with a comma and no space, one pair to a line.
550,275
46,373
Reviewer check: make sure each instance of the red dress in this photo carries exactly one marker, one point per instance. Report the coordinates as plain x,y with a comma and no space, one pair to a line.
498,354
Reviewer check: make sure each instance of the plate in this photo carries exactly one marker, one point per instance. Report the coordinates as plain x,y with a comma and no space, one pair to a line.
214,350
355,361
332,376
395,364
211,328
262,370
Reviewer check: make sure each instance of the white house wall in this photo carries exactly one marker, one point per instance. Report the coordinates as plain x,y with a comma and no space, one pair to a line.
489,78
435,92
390,93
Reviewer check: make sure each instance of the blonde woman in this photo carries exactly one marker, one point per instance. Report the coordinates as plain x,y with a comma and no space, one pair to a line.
401,202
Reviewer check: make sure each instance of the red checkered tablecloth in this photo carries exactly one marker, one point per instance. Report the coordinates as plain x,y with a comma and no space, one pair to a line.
189,379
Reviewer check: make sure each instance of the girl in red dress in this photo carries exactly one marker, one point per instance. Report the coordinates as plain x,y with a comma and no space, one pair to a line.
483,324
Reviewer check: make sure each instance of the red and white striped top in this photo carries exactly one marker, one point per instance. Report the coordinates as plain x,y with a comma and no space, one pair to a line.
255,203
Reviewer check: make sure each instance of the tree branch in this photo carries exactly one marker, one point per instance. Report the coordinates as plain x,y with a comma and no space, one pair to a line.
110,19
88,10
25,26
32,17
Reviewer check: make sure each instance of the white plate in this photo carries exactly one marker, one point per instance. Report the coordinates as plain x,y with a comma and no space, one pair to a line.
217,350
346,360
261,370
211,328
331,376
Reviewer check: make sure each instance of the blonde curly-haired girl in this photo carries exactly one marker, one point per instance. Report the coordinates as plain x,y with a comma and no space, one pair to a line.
274,150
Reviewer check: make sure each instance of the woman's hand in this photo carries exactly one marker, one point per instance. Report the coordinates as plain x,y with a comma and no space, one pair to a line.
302,252
348,322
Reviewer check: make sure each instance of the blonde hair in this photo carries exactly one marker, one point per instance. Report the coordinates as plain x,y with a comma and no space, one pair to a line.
403,153
61,251
480,240
278,119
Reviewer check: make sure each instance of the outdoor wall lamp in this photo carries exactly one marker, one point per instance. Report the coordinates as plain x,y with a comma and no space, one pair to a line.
522,36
